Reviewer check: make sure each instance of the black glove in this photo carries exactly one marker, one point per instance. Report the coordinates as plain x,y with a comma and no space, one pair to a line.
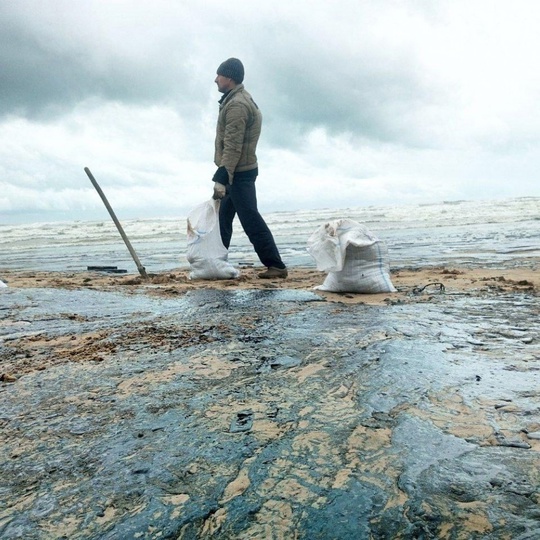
221,176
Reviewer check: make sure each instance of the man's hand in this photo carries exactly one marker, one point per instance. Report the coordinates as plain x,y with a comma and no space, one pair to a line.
219,191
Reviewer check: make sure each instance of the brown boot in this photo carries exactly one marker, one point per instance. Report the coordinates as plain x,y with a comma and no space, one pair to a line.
274,272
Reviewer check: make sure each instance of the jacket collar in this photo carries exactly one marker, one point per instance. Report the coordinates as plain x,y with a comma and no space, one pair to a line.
226,95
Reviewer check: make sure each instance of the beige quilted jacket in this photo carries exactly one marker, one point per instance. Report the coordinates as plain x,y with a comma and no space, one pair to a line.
238,129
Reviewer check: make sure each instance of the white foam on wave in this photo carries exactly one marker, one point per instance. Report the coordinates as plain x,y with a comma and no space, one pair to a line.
413,232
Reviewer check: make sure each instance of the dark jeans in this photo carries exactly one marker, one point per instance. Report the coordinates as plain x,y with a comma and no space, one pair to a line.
241,199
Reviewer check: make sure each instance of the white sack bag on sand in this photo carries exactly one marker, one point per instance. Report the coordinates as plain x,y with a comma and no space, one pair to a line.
2,284
206,253
357,261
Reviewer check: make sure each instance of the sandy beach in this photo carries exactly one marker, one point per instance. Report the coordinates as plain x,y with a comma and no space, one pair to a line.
170,408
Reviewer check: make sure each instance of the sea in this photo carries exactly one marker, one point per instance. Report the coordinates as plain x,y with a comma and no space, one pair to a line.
489,233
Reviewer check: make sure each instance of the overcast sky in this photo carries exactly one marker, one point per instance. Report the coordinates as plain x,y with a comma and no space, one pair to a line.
364,102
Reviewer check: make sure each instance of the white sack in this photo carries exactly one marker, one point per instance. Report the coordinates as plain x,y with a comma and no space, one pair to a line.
2,284
206,253
357,261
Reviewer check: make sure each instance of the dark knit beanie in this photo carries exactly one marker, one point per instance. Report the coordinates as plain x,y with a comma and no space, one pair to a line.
233,69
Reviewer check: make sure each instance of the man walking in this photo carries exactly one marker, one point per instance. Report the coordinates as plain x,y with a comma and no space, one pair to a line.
238,129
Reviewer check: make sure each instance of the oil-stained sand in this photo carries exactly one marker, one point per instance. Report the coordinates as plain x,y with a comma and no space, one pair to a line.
185,410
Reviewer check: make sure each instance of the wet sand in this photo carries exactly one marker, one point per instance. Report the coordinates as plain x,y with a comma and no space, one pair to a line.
406,281
172,408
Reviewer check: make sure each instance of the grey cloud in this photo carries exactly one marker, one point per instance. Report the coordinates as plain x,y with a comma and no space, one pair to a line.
303,83
38,82
366,96
41,77
32,79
